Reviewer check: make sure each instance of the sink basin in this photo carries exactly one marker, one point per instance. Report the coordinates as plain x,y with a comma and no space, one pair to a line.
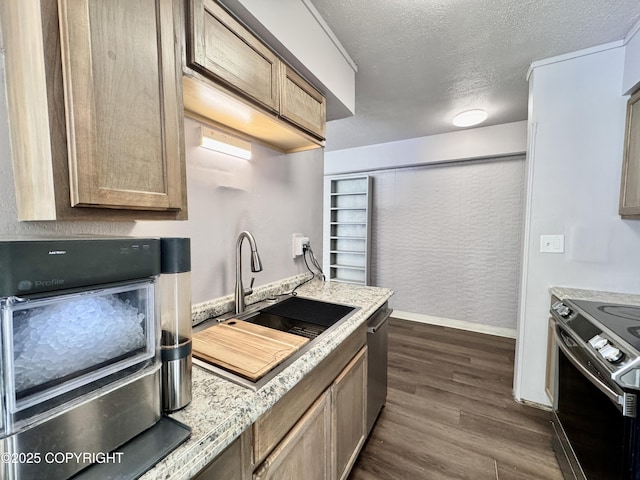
300,316
296,315
284,324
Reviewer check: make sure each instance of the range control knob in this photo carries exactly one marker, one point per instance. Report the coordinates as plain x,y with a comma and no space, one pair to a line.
598,342
562,309
611,354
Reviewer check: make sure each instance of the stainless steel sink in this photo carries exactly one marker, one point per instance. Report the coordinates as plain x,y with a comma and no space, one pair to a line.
300,316
306,317
284,324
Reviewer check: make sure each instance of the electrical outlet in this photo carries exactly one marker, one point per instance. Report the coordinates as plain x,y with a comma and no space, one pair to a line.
297,240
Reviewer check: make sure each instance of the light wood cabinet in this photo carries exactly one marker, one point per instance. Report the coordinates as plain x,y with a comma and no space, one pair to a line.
302,104
301,445
274,424
349,413
233,81
305,453
630,188
95,109
232,464
223,48
552,362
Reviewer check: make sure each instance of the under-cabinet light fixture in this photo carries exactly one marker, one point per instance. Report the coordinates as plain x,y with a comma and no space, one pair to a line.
224,143
469,118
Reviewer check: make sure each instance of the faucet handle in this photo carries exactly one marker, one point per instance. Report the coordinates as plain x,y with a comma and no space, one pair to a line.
249,291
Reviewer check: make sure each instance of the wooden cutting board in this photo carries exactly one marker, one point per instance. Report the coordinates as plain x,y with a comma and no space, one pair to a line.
244,348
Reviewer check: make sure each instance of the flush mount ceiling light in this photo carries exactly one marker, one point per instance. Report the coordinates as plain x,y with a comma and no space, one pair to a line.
224,143
469,118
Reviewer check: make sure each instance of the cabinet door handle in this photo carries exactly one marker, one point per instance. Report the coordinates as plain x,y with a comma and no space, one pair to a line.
616,398
383,318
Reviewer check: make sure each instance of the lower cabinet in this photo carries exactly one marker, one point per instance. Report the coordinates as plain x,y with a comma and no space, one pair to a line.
305,452
325,442
232,464
349,414
314,432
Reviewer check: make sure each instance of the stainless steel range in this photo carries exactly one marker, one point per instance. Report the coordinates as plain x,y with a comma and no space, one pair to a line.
598,380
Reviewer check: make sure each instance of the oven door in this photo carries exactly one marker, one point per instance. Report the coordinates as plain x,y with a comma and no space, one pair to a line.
59,348
594,420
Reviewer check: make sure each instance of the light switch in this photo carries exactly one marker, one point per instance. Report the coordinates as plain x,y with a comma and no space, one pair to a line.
552,243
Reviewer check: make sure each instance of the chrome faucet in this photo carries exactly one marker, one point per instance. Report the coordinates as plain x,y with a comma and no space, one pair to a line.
256,266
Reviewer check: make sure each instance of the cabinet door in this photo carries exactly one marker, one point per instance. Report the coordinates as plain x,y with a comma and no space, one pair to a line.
630,189
305,452
349,414
123,104
302,104
223,49
232,464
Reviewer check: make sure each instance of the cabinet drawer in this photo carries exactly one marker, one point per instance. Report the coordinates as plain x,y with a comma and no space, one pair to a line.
306,451
302,104
223,49
271,427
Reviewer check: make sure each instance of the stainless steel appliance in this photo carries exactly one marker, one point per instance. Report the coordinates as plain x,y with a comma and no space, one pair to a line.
80,370
377,345
596,428
175,344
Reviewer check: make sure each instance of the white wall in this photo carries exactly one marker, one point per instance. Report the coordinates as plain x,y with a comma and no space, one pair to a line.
273,196
484,142
577,122
632,61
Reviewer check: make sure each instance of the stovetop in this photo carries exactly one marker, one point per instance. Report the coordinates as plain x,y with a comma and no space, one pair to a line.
622,320
607,333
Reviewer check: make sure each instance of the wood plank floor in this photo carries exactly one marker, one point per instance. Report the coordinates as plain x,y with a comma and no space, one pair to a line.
450,412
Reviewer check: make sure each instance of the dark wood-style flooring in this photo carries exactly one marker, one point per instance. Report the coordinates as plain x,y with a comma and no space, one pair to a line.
450,412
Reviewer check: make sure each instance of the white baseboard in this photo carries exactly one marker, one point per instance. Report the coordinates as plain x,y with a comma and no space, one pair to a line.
459,324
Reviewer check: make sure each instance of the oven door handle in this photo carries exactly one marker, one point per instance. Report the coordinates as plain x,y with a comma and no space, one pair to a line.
616,398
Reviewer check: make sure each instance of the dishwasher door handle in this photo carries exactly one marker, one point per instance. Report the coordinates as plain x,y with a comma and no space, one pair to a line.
384,316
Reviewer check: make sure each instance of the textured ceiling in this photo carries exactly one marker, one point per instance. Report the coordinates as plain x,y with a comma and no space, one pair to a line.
422,61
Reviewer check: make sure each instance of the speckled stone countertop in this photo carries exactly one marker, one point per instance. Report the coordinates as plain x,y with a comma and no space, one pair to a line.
221,410
594,295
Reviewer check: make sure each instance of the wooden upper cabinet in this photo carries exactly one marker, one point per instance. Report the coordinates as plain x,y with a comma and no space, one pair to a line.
95,109
233,80
630,188
302,104
121,96
222,47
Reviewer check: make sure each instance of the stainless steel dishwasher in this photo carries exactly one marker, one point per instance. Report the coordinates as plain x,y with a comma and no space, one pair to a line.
377,343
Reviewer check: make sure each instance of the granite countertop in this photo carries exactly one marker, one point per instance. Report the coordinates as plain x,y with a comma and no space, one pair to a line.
594,295
221,410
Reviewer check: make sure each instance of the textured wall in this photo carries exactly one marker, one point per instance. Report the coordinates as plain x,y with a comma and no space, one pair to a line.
447,238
